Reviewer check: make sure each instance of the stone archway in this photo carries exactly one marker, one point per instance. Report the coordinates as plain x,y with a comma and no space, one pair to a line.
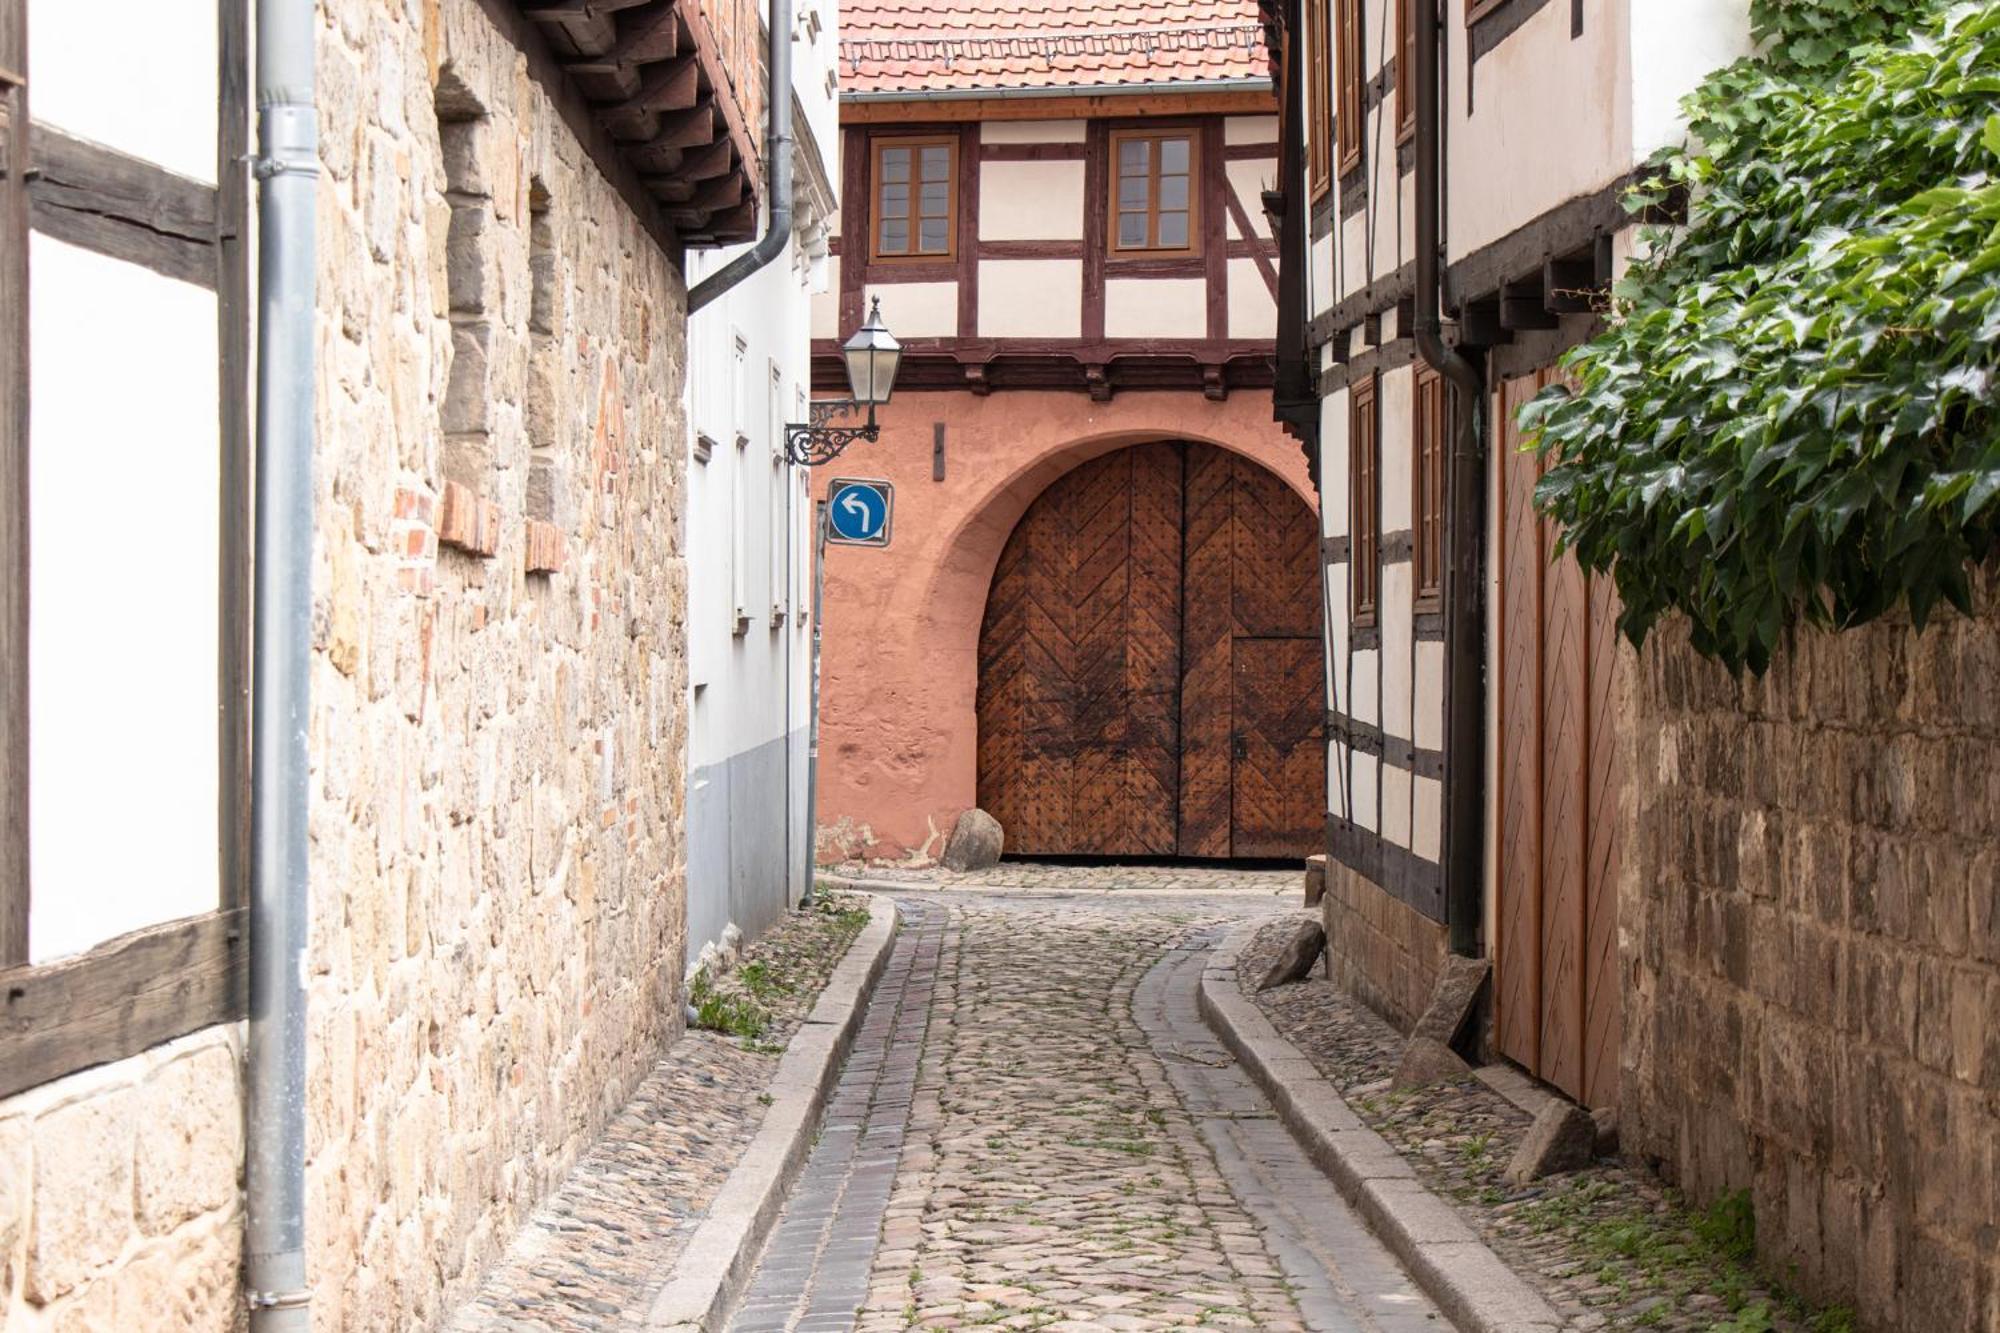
1149,662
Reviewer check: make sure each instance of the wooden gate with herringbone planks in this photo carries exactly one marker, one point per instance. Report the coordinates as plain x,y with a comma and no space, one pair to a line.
1149,672
1556,1011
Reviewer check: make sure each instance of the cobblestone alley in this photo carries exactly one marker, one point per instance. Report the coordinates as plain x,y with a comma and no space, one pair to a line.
1036,1130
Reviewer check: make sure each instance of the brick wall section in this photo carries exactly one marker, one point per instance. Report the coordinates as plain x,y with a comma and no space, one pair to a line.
1384,953
1812,950
119,1204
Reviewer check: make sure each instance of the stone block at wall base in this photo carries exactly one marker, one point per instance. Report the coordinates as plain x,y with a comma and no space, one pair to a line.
1382,951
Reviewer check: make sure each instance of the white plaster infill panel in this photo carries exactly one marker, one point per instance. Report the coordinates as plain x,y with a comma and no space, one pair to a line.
1395,614
1155,308
1427,818
826,314
1248,178
1253,312
1032,131
1675,43
1324,296
1250,129
1030,298
1398,439
1031,201
918,309
1428,724
143,83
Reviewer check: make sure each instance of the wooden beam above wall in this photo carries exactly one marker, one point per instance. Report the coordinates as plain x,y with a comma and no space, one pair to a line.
1059,106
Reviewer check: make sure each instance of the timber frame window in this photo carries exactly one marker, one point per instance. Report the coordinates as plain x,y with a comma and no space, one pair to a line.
1348,105
1319,99
1153,193
1364,476
95,214
1427,490
913,185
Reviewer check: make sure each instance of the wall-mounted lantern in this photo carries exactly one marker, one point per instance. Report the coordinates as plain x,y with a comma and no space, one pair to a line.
872,356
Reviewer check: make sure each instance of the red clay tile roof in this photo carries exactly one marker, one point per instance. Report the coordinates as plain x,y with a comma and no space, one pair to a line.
918,46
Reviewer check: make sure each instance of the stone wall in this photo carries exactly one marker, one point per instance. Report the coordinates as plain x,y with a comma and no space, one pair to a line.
498,860
119,1203
1383,952
498,730
1811,941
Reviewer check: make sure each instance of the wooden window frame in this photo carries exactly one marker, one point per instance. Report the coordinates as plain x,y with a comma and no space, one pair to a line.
1428,426
1349,104
1406,70
1364,504
1115,252
162,981
877,145
1319,100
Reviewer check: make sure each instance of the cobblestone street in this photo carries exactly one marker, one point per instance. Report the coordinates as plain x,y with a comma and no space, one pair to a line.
1036,1130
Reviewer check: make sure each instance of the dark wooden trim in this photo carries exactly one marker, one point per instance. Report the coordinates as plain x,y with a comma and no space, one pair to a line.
14,524
1333,550
1031,250
965,174
1030,152
1252,246
1384,294
1214,223
928,269
1096,222
1428,627
1323,211
122,207
1389,356
1397,871
234,294
1395,751
1255,248
1156,266
855,223
983,365
1491,22
1353,191
1398,547
121,998
1530,352
1364,637
922,106
1266,151
1567,228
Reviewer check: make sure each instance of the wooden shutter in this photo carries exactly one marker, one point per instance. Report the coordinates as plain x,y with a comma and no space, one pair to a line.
1319,100
1406,69
1347,112
1427,491
1364,501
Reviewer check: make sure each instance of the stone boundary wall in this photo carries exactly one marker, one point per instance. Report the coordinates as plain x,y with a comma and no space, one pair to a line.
119,1193
1811,947
1384,952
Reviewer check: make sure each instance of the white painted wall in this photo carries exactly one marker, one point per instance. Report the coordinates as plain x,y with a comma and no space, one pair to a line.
124,468
749,531
1675,43
135,75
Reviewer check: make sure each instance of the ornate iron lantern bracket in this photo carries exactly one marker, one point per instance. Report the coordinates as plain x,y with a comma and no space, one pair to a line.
819,440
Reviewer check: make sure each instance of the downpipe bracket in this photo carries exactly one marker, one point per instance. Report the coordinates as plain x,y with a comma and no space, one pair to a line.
278,1300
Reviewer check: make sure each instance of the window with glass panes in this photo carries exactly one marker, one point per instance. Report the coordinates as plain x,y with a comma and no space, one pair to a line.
915,199
1153,205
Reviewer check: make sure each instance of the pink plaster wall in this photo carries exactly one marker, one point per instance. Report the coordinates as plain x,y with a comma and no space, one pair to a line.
899,749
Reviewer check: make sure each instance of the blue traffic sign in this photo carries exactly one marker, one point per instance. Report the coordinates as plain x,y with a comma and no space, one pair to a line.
858,512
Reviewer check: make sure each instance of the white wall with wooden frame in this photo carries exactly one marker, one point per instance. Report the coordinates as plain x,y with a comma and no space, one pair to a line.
124,529
1064,244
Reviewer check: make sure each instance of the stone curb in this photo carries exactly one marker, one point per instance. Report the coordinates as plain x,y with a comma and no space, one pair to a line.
867,884
721,1255
1474,1288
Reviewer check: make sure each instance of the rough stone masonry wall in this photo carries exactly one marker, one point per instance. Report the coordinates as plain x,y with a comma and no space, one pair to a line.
497,730
498,854
1382,951
1811,938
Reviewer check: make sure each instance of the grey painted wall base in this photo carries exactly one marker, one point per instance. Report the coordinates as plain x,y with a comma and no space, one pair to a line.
737,814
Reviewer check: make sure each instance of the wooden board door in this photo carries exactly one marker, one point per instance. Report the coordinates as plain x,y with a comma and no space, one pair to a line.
1555,951
1149,663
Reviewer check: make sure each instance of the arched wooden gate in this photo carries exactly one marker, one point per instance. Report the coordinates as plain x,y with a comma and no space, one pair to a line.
1150,680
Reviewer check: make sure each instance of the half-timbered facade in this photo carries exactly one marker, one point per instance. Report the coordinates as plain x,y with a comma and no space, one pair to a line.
1102,547
1471,726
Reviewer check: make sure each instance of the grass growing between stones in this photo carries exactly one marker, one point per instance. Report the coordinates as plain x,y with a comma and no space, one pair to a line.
762,999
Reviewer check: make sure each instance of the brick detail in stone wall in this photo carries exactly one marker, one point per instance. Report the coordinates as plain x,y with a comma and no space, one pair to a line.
119,1193
468,522
544,542
1384,953
1812,956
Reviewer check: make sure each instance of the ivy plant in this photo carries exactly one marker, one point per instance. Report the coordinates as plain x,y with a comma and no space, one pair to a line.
1790,417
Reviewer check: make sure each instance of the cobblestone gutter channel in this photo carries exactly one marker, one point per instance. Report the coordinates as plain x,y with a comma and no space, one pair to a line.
597,1253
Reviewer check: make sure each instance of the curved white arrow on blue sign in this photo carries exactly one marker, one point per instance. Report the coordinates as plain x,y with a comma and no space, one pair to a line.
859,511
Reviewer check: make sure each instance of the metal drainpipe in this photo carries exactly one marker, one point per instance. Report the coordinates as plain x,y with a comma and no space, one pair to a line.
778,230
275,1111
1465,741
